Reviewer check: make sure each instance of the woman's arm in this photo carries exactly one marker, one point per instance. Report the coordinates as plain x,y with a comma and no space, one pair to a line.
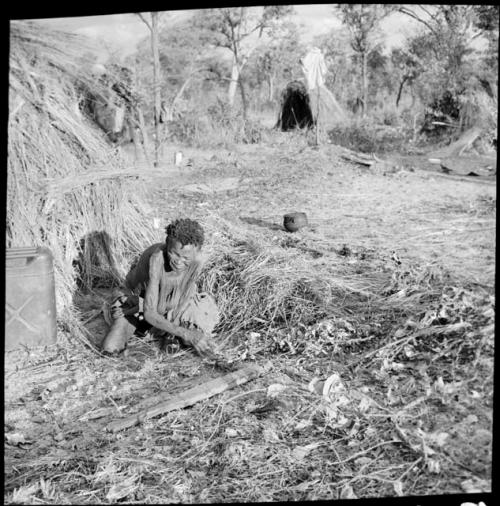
151,314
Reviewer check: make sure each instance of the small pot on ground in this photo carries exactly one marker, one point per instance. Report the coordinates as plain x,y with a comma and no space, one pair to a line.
294,221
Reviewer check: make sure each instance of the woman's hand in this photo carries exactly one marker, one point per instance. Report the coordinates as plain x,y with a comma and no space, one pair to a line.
199,341
124,305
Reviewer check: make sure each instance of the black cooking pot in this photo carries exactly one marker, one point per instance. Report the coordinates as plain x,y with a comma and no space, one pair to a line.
293,221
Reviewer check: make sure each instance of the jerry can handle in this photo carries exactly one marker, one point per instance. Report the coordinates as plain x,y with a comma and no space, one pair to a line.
15,253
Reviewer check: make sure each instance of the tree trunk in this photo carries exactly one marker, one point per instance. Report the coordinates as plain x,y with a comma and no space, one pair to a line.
235,74
365,83
317,116
244,100
138,120
177,97
145,140
271,87
156,84
413,97
400,91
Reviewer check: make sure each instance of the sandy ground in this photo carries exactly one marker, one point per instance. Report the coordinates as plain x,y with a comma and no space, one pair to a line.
420,213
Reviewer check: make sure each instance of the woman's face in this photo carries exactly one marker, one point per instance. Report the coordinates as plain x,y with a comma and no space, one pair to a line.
180,256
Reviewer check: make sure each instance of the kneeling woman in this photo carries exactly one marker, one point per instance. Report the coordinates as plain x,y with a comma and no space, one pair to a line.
162,286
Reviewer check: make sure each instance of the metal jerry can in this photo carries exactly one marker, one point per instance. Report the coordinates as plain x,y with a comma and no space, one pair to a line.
30,298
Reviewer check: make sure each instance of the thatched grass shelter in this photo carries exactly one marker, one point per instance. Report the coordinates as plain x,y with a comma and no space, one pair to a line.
67,187
300,108
295,108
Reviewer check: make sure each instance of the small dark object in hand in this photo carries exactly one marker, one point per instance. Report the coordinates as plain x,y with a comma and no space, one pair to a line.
293,221
171,344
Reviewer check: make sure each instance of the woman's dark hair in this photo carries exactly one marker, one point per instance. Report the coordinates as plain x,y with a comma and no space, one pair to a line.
186,231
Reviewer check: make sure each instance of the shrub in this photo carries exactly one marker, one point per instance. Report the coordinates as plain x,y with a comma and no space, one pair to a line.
369,137
444,109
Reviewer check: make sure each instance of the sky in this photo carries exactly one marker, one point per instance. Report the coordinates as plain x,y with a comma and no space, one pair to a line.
122,32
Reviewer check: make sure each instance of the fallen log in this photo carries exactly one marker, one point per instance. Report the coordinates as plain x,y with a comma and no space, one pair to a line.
466,179
376,164
461,145
464,165
192,396
360,158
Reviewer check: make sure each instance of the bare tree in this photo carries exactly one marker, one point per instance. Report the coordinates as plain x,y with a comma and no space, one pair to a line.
451,29
154,29
407,66
436,18
232,28
362,21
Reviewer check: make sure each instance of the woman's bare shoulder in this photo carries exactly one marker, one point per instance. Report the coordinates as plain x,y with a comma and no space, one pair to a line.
156,254
154,249
139,273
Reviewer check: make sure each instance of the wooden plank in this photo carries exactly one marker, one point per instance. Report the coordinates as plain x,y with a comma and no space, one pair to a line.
192,396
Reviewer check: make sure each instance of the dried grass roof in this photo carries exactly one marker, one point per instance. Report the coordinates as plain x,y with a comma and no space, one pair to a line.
49,141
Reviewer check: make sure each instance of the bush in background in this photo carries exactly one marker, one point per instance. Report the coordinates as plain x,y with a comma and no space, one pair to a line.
214,125
370,136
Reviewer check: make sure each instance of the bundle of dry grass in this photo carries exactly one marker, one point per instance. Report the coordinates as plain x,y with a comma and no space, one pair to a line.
295,301
262,284
95,220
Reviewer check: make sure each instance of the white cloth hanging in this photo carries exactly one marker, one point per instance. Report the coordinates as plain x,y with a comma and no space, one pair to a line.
314,68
